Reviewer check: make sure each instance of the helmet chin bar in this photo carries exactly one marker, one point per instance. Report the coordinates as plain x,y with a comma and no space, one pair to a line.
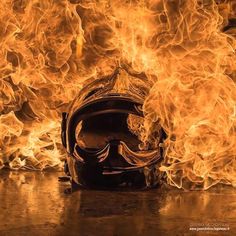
112,162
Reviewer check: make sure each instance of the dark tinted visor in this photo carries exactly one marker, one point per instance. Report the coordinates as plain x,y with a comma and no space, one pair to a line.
96,132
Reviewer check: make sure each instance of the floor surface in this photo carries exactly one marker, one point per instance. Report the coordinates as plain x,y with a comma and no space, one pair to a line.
34,203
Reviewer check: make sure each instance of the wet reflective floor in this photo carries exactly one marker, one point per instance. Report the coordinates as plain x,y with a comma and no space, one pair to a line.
34,203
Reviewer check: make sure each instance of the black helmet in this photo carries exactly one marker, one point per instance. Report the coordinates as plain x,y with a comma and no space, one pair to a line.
103,150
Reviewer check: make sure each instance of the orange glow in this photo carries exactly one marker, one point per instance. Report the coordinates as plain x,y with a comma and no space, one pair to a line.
50,49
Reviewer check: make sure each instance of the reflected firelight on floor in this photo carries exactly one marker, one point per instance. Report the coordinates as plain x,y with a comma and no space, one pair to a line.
35,203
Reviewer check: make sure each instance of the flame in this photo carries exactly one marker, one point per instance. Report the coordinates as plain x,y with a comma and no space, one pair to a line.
186,49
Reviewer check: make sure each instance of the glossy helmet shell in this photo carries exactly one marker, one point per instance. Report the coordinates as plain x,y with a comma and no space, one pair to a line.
101,104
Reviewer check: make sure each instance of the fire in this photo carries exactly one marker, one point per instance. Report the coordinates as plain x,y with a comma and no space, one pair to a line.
186,49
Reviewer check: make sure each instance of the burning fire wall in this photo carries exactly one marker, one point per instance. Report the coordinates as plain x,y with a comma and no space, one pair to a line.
164,72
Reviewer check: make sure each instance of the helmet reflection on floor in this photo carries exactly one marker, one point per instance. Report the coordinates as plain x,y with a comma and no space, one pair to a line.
103,148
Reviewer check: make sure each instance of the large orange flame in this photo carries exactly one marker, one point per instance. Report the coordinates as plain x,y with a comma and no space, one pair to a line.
186,49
